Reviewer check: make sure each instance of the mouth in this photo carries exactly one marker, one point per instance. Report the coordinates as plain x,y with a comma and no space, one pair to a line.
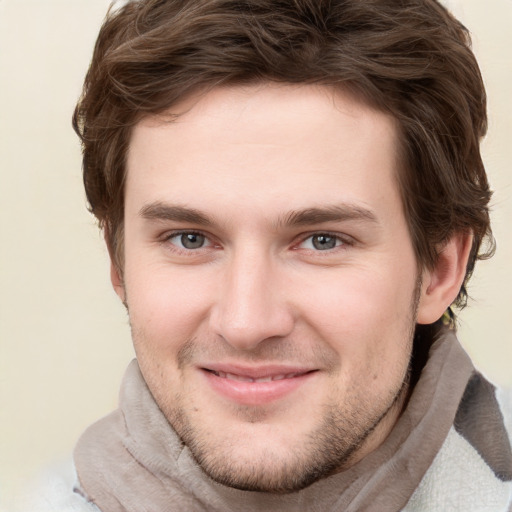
246,378
256,386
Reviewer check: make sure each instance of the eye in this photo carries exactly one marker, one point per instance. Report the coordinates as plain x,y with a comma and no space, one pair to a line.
189,240
321,242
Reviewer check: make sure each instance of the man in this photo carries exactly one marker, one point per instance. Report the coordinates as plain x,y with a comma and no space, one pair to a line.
293,198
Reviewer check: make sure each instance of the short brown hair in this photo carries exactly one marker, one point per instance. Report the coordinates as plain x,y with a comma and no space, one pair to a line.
409,58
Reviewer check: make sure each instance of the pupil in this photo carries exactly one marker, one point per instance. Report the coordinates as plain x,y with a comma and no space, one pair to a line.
323,242
192,241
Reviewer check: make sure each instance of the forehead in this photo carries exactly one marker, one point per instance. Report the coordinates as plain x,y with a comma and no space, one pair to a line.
274,146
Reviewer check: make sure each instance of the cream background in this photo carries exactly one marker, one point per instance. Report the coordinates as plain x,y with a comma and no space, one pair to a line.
64,338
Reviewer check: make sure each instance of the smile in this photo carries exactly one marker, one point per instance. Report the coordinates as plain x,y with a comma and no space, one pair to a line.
269,378
256,387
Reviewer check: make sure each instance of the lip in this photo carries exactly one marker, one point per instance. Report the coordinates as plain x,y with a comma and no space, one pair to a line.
255,385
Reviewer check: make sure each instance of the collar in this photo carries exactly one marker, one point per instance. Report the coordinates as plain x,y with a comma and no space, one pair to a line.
133,461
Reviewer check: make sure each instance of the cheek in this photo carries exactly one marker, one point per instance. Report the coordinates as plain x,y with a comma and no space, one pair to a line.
357,302
166,307
367,318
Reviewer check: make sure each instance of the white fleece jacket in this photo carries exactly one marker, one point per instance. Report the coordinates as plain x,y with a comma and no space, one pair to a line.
471,471
458,481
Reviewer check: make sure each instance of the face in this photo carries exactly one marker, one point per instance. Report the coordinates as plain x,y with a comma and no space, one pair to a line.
270,280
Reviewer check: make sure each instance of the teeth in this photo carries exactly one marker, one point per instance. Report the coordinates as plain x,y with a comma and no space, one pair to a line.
232,376
241,378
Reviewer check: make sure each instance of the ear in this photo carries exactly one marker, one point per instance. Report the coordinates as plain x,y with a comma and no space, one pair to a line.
441,285
116,276
117,281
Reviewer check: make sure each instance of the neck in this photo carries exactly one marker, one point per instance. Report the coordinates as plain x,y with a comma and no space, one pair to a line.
378,434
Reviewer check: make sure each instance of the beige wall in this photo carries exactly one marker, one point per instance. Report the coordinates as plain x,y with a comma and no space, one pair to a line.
64,341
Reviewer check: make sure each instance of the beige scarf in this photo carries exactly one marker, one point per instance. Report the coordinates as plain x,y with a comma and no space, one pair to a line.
133,461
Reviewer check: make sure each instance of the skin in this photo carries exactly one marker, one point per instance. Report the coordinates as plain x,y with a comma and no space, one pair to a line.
264,233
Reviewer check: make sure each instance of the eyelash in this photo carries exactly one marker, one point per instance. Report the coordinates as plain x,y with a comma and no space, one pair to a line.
169,236
342,241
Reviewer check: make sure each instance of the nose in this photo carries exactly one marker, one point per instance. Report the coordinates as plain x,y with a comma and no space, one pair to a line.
251,306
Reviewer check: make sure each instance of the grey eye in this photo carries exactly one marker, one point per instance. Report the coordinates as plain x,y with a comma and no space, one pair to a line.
192,240
321,242
324,242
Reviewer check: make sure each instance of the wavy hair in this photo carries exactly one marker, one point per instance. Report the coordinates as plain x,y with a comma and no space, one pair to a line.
409,58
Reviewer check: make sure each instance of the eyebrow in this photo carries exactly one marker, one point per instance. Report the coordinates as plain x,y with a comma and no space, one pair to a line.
162,211
309,216
335,213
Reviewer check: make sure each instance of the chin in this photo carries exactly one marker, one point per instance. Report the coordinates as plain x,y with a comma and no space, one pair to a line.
273,459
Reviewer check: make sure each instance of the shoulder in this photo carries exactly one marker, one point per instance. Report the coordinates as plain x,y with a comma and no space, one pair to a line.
53,491
504,397
460,480
473,469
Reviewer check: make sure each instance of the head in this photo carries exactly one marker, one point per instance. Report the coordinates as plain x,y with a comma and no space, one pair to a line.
376,106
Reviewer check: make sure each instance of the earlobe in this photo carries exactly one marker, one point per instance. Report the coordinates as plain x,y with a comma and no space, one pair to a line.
117,282
116,276
441,285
